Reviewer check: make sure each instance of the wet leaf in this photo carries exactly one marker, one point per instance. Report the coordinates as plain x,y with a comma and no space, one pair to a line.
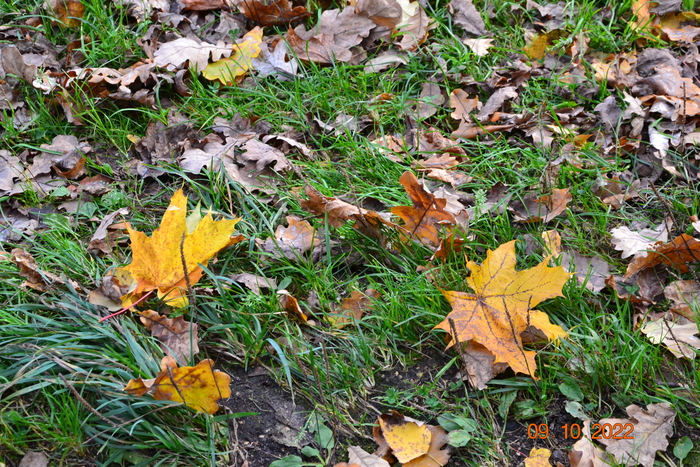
500,310
199,387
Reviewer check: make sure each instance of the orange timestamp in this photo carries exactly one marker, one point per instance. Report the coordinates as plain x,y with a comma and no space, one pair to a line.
574,431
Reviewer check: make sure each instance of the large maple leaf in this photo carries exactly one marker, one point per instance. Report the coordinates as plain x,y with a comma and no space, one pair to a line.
157,261
500,309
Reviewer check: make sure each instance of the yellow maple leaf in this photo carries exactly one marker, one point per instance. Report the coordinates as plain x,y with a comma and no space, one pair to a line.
539,457
500,309
199,386
227,70
157,261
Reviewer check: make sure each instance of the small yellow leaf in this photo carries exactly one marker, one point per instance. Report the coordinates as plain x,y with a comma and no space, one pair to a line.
538,458
408,439
227,70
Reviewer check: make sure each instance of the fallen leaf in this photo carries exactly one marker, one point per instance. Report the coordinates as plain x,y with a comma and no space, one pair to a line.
642,21
199,387
552,243
68,12
173,54
229,70
10,169
637,243
479,365
353,307
427,213
462,104
360,457
339,212
34,459
584,453
157,261
407,439
537,49
466,16
539,457
387,13
435,457
480,47
591,271
253,282
678,336
203,5
178,338
431,99
291,306
500,309
273,13
103,239
652,427
274,63
413,28
543,209
677,253
35,278
685,296
333,38
292,241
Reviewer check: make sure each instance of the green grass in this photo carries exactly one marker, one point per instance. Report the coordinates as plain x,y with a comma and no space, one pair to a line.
52,346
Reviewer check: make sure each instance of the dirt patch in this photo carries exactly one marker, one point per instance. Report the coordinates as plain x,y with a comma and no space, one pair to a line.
277,429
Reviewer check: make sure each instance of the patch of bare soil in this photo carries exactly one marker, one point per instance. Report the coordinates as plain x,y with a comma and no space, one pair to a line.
278,428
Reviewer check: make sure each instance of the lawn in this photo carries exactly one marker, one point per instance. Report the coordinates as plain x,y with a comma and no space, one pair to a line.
377,233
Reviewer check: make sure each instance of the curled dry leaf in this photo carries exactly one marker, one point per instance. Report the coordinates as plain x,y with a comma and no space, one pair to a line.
652,427
104,239
291,306
500,310
199,387
178,338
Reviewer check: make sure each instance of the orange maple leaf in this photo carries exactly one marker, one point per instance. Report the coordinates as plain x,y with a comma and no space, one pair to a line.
199,386
427,213
500,310
157,262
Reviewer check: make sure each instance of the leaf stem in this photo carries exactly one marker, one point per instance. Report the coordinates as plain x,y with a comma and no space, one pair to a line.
124,310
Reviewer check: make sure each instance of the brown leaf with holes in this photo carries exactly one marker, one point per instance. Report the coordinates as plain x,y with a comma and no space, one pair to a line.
678,253
427,214
199,386
339,212
178,338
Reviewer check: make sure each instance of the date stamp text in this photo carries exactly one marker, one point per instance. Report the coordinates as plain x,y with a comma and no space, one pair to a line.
574,431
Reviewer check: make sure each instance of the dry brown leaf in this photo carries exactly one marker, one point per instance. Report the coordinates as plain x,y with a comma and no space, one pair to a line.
500,310
360,457
678,336
466,16
178,338
543,209
333,38
642,21
271,13
291,306
427,213
584,453
652,427
463,105
172,55
68,12
199,387
104,239
253,282
592,271
685,296
412,30
677,253
387,13
35,278
339,212
636,244
431,99
292,241
204,5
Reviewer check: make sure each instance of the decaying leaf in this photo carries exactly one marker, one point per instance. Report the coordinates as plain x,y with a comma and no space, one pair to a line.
353,307
178,337
157,261
292,241
68,12
539,457
542,209
291,306
253,282
229,70
685,296
591,271
652,427
199,386
500,309
637,243
35,278
678,336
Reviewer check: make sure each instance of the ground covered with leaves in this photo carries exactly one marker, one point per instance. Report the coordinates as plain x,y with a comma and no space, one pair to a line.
373,233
